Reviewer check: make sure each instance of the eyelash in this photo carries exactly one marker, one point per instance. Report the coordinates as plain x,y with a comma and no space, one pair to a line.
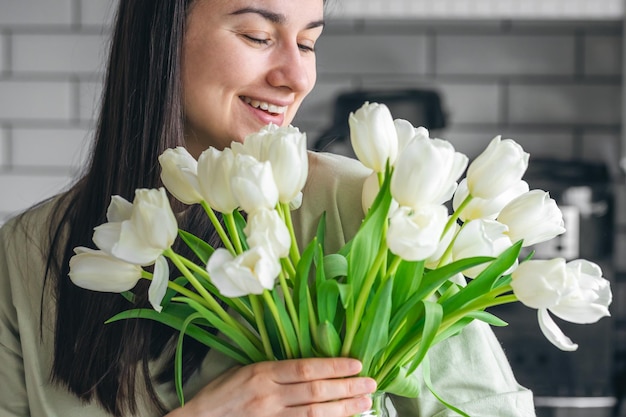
252,39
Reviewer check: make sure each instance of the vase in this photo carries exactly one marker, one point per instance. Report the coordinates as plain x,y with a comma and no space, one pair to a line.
379,406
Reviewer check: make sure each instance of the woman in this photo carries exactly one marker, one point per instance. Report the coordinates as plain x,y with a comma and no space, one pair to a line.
195,73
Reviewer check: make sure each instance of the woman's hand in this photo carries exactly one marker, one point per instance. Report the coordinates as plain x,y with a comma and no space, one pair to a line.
316,387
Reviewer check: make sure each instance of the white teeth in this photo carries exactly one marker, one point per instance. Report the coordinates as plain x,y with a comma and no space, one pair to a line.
271,108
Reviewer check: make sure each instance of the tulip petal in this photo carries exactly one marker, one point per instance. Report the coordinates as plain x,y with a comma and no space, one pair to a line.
98,271
553,333
158,286
131,248
119,209
106,235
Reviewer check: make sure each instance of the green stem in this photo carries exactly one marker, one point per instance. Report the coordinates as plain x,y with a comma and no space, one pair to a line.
218,227
294,252
289,302
232,229
272,307
179,289
257,308
364,292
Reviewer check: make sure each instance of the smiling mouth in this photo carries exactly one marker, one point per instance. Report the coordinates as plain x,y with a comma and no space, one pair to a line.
265,106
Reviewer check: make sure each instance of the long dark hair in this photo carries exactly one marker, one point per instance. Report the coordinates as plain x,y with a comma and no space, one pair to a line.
141,115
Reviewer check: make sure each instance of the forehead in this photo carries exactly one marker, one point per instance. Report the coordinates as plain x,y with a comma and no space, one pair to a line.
289,10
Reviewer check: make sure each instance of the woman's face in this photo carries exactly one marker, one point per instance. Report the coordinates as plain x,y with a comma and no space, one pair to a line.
246,63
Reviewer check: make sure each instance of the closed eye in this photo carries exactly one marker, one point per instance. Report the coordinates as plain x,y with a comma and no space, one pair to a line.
259,41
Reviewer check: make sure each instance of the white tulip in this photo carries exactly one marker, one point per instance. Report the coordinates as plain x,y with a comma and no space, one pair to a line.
588,294
480,238
96,270
501,165
370,192
426,173
253,184
285,149
406,132
214,174
266,228
414,233
373,136
533,217
251,272
179,173
575,292
142,237
480,208
540,283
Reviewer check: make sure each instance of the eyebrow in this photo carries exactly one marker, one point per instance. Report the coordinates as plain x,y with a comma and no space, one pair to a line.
277,18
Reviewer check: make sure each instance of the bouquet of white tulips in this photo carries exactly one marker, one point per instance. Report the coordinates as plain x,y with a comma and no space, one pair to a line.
416,272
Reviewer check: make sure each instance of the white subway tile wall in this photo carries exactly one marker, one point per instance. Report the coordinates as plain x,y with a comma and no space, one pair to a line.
52,56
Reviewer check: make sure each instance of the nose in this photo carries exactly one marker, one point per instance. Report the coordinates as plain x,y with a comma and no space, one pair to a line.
290,69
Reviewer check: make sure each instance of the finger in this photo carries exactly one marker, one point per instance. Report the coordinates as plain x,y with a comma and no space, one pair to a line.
342,408
302,370
327,390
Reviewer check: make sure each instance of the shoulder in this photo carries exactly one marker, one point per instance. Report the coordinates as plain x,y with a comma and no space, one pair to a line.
32,226
335,169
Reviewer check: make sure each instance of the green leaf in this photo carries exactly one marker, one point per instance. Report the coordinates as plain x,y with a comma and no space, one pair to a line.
485,280
198,246
366,242
329,340
321,231
433,315
201,335
233,333
488,318
407,280
402,384
129,296
373,333
335,265
286,324
327,300
178,358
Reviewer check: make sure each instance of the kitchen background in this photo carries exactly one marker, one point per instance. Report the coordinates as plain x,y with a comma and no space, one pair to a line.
547,73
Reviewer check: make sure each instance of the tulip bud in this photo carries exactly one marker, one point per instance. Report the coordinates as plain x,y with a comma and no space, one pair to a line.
266,228
179,173
140,239
373,136
253,184
285,149
96,270
406,132
533,217
251,272
499,167
414,234
575,292
426,173
214,174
